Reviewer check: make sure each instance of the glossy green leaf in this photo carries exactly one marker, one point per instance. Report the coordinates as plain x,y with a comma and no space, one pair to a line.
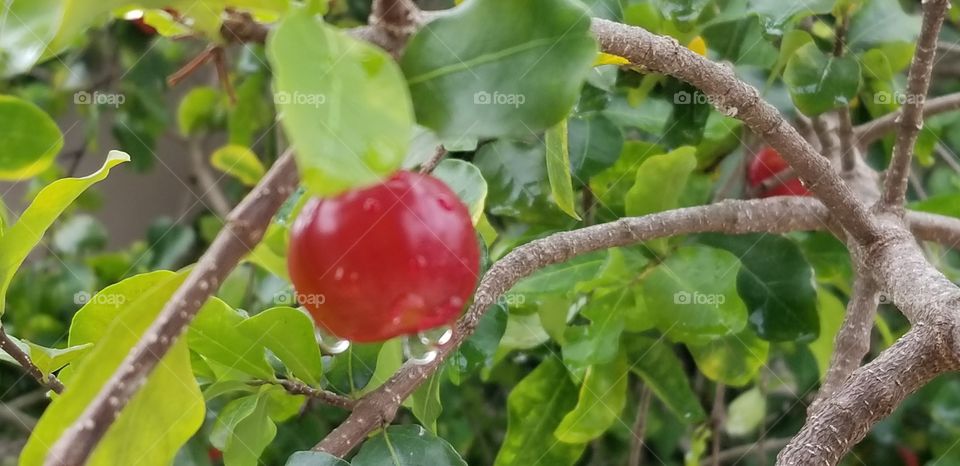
170,393
776,283
692,295
516,179
51,201
314,458
198,110
612,185
471,74
882,22
595,145
426,401
548,392
29,139
792,40
819,82
602,398
558,168
409,445
215,335
745,413
389,359
776,14
661,370
731,360
465,179
741,40
353,369
599,341
478,350
343,104
562,277
238,162
289,334
244,429
658,185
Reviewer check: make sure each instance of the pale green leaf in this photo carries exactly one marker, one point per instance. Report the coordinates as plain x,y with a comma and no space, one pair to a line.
602,398
558,168
29,139
289,334
238,162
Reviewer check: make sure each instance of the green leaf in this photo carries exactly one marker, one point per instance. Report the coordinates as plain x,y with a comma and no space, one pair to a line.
558,168
170,393
563,277
465,179
29,139
692,295
745,413
288,333
479,349
732,360
314,458
351,370
426,402
741,40
598,342
776,283
595,145
215,334
658,184
548,392
198,110
819,82
516,179
50,202
344,104
602,398
244,429
882,22
238,162
48,360
792,40
776,13
660,368
471,74
389,360
409,445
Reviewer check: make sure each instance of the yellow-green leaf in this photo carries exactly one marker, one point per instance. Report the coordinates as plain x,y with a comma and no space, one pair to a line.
238,162
558,168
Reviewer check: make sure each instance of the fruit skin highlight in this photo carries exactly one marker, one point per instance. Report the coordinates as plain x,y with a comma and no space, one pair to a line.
392,259
768,163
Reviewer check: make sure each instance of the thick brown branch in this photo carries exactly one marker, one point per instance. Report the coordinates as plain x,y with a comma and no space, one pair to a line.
736,98
870,394
244,229
911,118
775,215
873,130
398,17
7,345
853,340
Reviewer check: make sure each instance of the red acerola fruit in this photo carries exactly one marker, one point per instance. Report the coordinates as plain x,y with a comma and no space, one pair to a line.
767,164
392,259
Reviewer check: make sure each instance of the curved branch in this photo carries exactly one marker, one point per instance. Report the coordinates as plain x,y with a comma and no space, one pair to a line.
774,215
853,340
737,98
873,130
911,118
244,229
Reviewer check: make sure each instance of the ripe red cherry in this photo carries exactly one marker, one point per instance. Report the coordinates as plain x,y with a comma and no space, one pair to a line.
768,164
392,259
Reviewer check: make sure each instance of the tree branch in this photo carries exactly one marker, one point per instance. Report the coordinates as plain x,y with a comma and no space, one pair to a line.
7,345
853,340
867,133
398,17
295,387
911,118
244,229
774,215
736,98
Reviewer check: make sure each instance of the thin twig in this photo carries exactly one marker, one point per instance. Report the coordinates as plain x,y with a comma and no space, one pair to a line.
191,66
639,429
911,120
431,164
948,156
873,130
717,416
7,345
299,388
207,183
737,453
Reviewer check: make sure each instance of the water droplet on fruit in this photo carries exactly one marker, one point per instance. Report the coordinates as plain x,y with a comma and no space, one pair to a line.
418,353
338,274
331,344
421,261
455,302
436,336
371,205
